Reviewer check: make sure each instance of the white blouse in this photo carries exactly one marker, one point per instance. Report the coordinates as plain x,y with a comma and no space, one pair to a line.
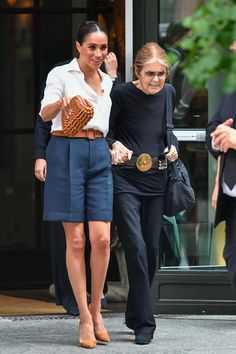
68,80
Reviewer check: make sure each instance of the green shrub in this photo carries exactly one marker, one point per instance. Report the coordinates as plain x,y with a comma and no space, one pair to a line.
212,29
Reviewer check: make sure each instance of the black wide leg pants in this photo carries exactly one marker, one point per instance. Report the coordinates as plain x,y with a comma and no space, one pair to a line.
138,220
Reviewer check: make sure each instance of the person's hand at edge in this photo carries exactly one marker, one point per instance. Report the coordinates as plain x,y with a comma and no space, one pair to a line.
172,155
40,169
224,136
111,65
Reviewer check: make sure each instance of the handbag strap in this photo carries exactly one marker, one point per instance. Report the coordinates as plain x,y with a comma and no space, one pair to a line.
169,112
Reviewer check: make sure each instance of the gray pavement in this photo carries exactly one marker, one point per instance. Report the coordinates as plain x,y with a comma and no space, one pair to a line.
175,334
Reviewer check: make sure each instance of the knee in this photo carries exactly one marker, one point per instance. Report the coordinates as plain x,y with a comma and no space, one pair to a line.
75,238
101,242
76,245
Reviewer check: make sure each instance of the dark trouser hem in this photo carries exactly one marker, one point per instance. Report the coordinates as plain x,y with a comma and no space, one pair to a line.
138,221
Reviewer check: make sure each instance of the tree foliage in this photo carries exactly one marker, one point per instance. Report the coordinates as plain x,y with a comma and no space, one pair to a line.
212,30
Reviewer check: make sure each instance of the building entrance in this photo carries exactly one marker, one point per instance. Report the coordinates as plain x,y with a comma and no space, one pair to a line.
35,35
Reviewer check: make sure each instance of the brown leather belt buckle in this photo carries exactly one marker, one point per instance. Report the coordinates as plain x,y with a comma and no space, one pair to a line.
90,134
144,162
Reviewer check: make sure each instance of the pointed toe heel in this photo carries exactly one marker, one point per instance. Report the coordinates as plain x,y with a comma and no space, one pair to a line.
87,338
103,336
89,344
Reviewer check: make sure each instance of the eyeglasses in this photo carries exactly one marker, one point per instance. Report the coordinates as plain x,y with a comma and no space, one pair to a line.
151,74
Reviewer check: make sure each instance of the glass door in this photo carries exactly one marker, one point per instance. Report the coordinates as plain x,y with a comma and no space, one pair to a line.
192,277
191,243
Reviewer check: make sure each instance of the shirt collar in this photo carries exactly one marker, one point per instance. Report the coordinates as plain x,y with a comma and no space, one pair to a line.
73,65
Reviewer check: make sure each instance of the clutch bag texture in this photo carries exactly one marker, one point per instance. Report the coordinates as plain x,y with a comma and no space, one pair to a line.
82,113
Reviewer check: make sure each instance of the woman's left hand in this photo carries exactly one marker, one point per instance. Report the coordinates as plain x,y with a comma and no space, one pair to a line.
172,155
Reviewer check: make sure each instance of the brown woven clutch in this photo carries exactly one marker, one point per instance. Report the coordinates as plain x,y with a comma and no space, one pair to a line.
82,112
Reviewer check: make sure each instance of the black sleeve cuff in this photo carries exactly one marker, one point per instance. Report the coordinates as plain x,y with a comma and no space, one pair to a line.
110,141
39,153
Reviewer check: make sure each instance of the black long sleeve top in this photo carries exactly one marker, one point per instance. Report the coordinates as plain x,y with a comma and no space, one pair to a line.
138,121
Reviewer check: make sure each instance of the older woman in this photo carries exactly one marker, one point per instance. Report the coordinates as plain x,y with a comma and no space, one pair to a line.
138,128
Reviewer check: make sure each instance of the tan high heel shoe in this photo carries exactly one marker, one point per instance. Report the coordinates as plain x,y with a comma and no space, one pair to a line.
87,343
102,336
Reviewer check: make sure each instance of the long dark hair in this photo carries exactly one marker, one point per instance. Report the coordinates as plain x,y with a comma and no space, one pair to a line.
85,29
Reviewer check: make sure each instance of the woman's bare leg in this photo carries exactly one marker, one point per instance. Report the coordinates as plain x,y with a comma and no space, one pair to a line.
99,233
75,261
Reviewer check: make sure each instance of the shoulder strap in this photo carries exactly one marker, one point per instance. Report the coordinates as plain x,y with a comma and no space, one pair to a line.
169,112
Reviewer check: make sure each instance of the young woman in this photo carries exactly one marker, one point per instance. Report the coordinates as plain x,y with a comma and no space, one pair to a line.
63,292
138,128
78,185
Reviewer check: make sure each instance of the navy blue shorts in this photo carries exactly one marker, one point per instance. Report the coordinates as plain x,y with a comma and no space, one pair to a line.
78,184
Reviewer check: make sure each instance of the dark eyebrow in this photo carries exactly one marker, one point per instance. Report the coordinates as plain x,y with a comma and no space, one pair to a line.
97,44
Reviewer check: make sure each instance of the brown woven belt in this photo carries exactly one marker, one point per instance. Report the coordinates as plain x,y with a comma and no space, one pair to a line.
88,133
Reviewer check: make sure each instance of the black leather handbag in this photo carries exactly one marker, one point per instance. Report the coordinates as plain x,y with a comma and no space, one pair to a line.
179,194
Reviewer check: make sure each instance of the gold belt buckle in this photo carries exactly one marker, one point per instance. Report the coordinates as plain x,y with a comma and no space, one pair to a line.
144,162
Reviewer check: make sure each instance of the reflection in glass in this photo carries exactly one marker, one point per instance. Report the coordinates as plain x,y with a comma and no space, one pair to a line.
79,3
191,104
188,240
114,23
16,3
17,200
65,4
16,71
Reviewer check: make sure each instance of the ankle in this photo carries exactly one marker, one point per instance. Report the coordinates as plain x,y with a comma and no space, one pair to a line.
86,318
95,308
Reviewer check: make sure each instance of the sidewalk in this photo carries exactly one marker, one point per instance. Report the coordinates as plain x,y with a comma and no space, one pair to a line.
175,334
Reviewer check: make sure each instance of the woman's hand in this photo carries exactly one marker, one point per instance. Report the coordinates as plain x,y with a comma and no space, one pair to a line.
119,153
111,64
40,169
64,105
172,155
52,109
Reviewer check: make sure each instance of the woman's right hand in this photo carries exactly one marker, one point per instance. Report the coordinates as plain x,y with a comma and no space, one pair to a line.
64,105
120,153
51,110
